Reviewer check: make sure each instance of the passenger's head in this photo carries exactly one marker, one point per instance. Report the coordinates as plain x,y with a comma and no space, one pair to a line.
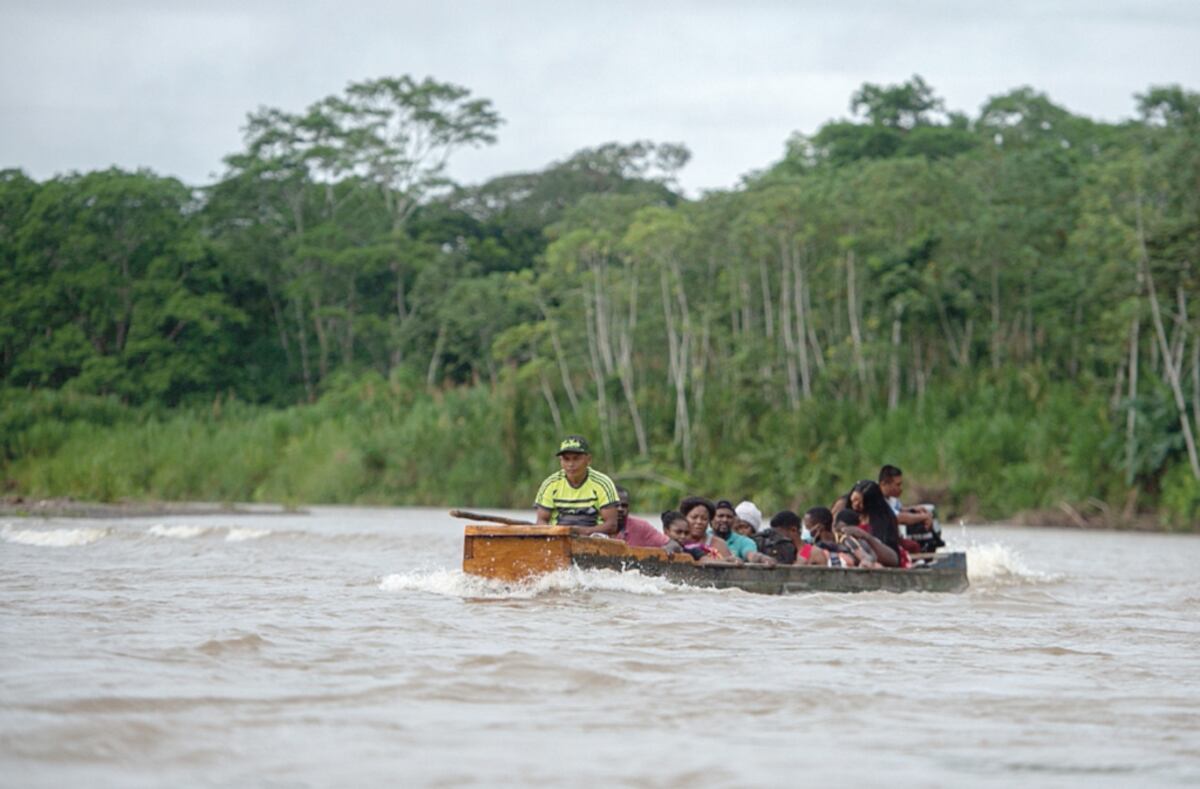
699,512
891,481
749,518
818,520
854,499
724,517
622,507
873,500
675,526
848,518
786,521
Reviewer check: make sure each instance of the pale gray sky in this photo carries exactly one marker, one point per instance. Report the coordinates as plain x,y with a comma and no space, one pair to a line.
167,85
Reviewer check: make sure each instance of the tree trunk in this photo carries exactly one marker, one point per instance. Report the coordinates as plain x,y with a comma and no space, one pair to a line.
552,402
919,370
402,314
894,359
802,328
302,341
677,358
568,386
785,326
603,319
748,326
997,324
1179,335
1160,331
348,327
597,367
855,332
322,339
1131,412
625,369
435,360
280,325
818,351
1196,382
768,308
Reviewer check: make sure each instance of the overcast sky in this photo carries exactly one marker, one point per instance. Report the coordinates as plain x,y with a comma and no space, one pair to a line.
167,85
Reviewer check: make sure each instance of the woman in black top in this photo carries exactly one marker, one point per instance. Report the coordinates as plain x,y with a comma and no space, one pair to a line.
867,499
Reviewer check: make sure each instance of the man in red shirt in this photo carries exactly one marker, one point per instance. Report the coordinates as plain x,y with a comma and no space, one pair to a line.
638,533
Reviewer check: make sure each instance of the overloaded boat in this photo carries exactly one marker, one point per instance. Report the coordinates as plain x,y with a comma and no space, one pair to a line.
517,552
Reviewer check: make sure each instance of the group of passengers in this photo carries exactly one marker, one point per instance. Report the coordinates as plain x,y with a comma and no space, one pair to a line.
861,529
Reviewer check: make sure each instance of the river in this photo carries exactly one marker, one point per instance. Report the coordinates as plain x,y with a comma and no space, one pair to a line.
345,647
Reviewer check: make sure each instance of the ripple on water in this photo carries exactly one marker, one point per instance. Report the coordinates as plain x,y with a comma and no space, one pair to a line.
53,538
250,643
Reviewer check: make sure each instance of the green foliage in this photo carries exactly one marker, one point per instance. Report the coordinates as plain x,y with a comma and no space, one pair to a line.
1005,305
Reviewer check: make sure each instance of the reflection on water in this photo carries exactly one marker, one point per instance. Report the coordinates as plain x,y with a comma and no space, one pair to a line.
346,646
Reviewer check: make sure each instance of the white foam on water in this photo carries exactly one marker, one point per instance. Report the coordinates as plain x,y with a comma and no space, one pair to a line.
177,532
241,535
52,538
455,583
994,563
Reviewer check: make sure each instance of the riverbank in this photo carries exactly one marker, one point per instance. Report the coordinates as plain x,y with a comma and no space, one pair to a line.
990,453
1064,516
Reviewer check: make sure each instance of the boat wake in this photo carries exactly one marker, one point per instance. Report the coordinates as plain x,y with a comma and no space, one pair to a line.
455,583
52,538
995,564
72,537
177,532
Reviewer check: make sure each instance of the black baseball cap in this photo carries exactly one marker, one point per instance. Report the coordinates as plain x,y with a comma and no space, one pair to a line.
574,444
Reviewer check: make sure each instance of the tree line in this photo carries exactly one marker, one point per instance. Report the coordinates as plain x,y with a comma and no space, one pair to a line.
906,253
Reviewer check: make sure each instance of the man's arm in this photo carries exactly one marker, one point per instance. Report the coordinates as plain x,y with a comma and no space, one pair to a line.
887,557
607,528
909,516
609,514
543,516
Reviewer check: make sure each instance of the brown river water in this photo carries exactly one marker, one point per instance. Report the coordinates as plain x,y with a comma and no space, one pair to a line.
344,647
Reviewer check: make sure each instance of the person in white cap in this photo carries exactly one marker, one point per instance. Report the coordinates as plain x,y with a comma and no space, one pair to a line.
749,519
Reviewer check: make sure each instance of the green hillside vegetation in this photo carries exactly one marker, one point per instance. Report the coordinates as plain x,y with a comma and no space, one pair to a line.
1004,305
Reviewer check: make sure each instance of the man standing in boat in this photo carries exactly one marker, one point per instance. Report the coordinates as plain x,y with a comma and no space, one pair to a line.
577,495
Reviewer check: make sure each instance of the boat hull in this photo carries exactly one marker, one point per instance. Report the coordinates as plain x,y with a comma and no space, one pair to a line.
515,553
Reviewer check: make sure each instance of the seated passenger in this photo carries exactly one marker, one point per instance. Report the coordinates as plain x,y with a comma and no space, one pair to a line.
742,547
749,519
831,550
676,526
839,542
882,531
699,512
923,534
852,500
847,517
638,533
782,540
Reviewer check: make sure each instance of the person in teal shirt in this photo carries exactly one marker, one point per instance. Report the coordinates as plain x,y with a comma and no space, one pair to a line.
742,547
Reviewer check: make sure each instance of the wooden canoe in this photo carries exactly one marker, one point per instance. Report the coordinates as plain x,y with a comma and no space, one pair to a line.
515,553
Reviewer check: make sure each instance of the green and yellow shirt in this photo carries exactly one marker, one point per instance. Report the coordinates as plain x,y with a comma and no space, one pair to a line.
576,506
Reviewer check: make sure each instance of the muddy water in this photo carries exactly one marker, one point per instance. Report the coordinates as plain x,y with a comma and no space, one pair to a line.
344,647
